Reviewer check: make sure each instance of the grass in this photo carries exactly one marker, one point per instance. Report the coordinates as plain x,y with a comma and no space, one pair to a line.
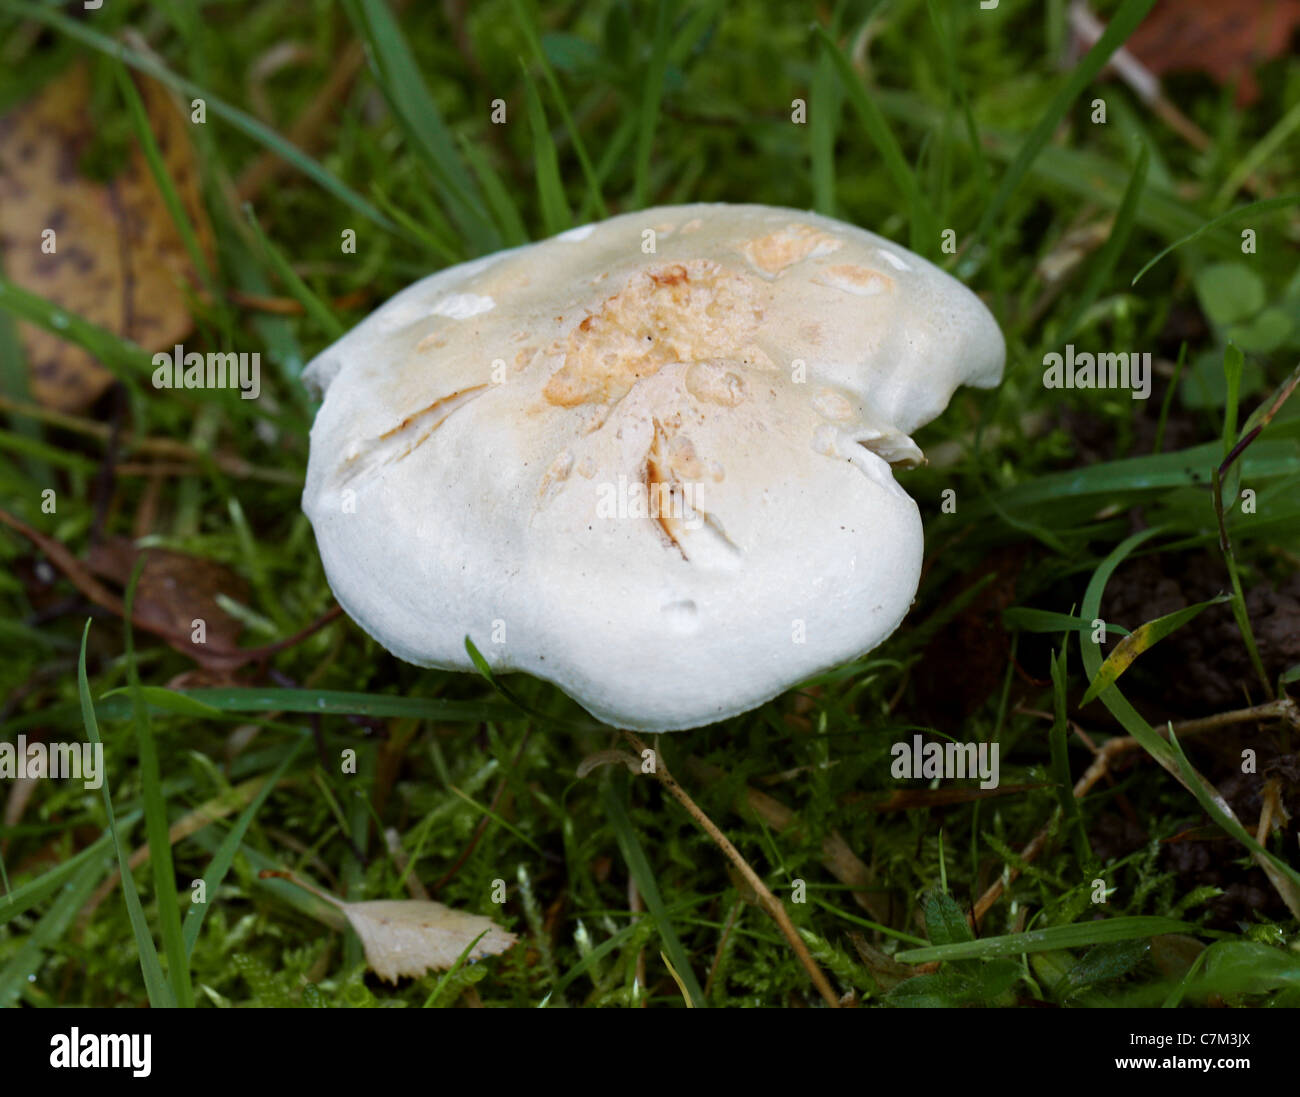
923,117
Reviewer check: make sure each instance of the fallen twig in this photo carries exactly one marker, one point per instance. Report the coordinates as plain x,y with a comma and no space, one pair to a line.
837,856
1284,708
767,900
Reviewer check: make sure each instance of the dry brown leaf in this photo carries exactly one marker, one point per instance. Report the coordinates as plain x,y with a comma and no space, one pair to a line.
1227,39
174,590
408,937
119,260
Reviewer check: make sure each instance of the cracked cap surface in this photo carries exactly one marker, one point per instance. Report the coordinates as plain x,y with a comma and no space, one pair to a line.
662,480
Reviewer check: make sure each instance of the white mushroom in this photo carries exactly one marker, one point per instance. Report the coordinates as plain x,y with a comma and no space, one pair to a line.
648,460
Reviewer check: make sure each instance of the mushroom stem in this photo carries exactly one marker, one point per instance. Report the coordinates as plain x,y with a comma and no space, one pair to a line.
770,903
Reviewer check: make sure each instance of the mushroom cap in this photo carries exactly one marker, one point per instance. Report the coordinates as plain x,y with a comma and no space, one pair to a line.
659,479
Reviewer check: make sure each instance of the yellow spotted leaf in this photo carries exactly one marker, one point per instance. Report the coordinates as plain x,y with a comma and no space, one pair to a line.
1138,641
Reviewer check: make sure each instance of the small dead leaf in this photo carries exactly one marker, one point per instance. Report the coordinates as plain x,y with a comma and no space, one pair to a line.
1225,40
408,937
119,260
174,590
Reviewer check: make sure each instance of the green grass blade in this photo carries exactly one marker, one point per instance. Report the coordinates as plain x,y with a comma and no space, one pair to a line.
1077,171
639,866
1121,228
556,215
481,665
1239,967
301,292
447,976
503,206
1239,610
1115,480
823,125
1045,620
21,899
526,20
595,956
1053,937
78,888
276,333
149,144
1262,206
323,702
399,78
419,230
681,986
1125,713
1140,640
1122,24
866,923
225,855
13,383
1060,760
615,153
157,825
500,820
924,238
1168,752
314,907
127,361
947,34
648,112
1158,445
1233,364
160,992
12,442
1267,147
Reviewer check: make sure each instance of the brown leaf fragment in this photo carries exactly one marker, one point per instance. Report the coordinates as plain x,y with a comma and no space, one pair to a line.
117,259
1225,40
175,589
211,656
